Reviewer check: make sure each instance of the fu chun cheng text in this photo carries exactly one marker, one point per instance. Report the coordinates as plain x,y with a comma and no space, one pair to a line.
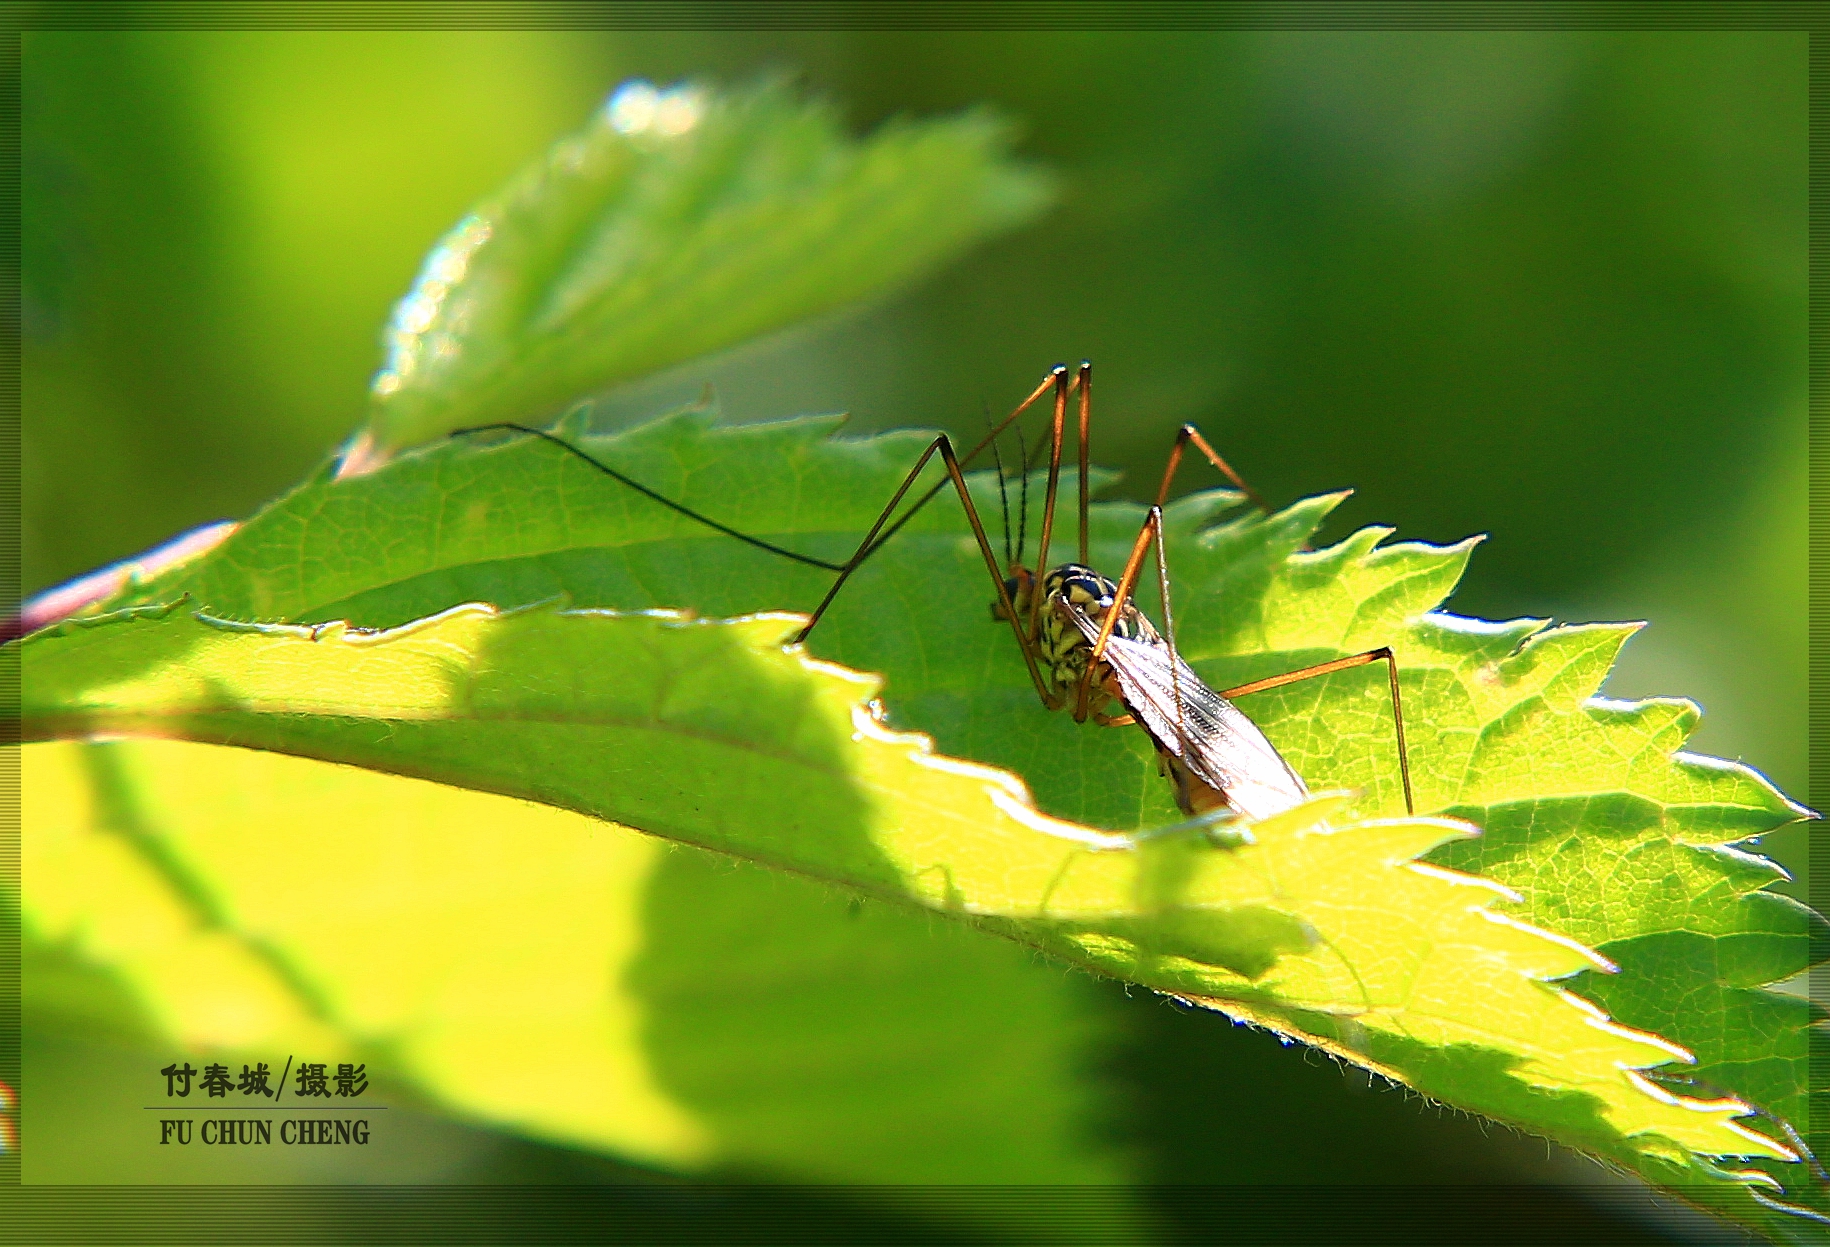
243,1132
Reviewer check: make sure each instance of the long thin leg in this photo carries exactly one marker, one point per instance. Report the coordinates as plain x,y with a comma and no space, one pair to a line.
1058,371
1169,628
1153,523
991,566
1150,536
944,445
1153,526
669,503
1085,382
1189,433
878,534
1383,653
1153,529
1054,483
1057,377
844,569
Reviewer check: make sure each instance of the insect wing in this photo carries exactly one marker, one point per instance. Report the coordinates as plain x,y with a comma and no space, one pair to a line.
1216,741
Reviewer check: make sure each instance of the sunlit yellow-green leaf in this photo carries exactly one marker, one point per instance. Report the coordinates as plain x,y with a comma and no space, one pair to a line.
531,967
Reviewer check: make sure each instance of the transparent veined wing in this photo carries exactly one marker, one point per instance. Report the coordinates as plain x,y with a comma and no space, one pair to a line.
1215,740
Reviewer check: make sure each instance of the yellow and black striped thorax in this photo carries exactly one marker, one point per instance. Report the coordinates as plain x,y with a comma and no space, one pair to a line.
1062,648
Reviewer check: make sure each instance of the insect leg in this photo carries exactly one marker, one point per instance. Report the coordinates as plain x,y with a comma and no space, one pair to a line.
872,542
1194,795
1059,370
991,565
669,503
944,446
1084,382
879,534
1152,529
1189,433
1153,524
1054,480
1382,654
1150,537
1169,627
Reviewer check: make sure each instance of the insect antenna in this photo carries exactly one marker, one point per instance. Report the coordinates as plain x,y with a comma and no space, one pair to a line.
997,461
1023,496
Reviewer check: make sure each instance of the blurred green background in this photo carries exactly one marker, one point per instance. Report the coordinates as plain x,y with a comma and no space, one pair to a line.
1549,286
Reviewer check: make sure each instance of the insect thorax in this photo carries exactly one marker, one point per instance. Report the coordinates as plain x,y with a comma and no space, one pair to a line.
1061,648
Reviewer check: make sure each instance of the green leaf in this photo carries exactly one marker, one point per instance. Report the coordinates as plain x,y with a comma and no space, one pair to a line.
1321,930
676,224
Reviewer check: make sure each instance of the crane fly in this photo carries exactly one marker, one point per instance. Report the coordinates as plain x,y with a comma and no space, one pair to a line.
1084,642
